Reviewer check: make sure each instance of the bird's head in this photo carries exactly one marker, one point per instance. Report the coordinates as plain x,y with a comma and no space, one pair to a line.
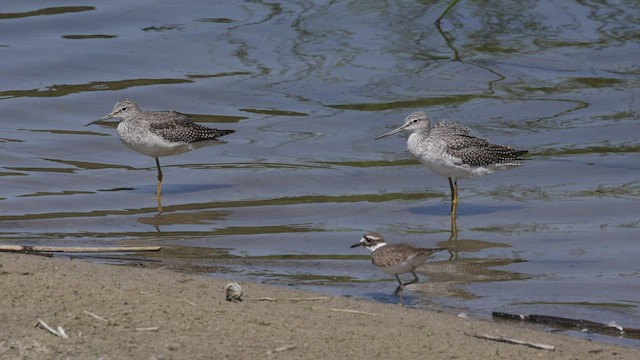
121,109
371,241
415,121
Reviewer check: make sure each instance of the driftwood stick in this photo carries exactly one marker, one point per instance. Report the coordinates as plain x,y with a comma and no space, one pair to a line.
76,249
568,323
515,341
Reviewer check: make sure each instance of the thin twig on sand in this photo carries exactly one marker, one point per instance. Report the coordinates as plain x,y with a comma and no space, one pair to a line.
515,341
281,349
96,316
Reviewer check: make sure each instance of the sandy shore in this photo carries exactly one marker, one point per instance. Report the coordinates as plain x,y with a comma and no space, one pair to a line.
161,314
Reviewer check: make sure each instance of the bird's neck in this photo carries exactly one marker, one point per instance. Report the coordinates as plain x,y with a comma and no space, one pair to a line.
377,246
416,141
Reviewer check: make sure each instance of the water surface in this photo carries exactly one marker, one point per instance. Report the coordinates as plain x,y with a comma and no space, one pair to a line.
307,86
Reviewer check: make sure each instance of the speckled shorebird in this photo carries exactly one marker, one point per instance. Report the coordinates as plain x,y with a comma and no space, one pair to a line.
160,133
449,150
395,259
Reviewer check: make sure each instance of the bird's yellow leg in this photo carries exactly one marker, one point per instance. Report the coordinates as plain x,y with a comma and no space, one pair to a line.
159,198
454,205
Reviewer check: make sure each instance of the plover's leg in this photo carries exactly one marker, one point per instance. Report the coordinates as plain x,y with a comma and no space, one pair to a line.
415,279
399,289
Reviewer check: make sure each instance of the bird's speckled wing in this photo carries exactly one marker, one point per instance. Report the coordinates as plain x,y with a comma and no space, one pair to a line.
445,128
473,150
178,127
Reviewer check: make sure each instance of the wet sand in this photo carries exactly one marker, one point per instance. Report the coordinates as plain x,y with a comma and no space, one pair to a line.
162,314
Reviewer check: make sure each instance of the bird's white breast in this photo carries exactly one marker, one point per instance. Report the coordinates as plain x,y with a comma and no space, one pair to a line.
136,136
432,153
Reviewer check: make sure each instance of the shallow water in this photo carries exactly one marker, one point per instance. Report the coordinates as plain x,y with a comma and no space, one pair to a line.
307,86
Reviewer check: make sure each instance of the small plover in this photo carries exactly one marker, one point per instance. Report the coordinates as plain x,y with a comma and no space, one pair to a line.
395,259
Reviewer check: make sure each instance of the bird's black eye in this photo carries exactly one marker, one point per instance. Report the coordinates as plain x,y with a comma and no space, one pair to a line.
415,121
123,109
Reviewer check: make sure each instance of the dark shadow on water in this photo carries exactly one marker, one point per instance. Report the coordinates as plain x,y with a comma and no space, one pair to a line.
463,209
389,298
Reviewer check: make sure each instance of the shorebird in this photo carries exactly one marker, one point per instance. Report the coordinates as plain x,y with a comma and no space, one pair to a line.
395,259
160,133
449,150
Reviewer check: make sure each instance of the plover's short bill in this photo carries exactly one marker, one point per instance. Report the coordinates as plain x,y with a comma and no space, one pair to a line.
395,259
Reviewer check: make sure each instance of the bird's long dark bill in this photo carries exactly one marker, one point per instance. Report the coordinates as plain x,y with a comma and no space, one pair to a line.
358,244
102,118
394,131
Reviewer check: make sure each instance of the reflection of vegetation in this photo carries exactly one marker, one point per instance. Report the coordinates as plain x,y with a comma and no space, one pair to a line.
43,169
468,246
85,165
307,199
64,89
223,74
450,6
630,225
8,173
524,193
610,149
164,27
68,132
515,228
47,11
192,218
216,118
65,192
274,112
82,37
402,104
216,20
572,84
372,163
620,115
631,189
598,82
